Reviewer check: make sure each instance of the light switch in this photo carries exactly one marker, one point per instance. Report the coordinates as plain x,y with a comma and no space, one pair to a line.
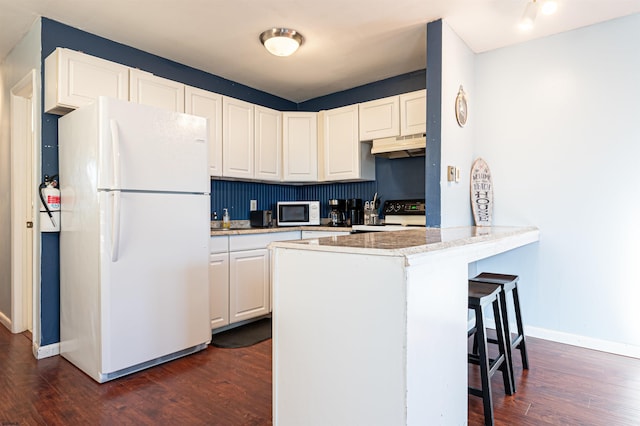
453,174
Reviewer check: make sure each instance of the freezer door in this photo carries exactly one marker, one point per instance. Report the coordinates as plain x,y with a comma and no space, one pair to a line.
151,149
155,285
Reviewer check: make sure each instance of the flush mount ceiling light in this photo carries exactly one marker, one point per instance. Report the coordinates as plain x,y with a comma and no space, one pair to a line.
548,7
281,41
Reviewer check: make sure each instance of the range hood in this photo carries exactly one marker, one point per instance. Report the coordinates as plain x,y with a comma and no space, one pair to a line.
400,146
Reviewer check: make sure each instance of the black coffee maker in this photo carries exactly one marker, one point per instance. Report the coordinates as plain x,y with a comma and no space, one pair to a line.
355,212
338,213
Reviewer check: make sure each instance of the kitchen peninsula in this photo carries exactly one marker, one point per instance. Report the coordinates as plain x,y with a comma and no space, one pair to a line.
371,329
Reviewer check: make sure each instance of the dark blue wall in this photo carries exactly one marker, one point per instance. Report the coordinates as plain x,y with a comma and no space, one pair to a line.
433,156
394,178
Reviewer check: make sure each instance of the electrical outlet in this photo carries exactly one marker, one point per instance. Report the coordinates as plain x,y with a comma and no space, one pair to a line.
253,205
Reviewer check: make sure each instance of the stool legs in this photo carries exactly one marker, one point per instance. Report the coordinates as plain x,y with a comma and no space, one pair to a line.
489,366
507,334
519,342
509,284
485,377
503,343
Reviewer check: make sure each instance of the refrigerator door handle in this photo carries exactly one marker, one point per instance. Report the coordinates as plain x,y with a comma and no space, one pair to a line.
115,149
115,226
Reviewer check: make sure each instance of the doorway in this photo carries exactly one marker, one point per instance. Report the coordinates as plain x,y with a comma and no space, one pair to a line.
24,235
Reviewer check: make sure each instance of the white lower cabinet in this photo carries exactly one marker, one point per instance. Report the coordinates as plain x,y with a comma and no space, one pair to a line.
219,281
219,289
249,284
240,276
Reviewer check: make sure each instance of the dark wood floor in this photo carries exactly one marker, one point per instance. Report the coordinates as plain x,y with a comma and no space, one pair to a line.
565,386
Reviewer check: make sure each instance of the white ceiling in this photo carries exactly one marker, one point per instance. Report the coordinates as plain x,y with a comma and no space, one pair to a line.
347,42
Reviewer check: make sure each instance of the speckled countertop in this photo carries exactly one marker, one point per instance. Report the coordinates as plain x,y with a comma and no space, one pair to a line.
413,242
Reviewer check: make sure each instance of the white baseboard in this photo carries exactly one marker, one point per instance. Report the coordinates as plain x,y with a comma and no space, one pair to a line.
5,320
47,351
577,340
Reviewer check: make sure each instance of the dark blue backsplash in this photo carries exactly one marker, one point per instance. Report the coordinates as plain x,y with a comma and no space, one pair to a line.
394,178
235,196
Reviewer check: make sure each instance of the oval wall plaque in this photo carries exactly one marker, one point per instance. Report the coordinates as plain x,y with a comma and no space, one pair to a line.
481,193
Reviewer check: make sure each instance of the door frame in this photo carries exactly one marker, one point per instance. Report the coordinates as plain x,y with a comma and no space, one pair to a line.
25,246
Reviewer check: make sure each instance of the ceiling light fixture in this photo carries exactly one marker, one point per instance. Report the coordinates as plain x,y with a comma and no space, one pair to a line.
281,41
548,7
529,16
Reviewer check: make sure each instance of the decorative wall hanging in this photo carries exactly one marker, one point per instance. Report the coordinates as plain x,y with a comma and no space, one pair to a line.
481,193
462,111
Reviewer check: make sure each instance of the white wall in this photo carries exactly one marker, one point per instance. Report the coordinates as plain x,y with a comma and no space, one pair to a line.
24,57
458,64
557,121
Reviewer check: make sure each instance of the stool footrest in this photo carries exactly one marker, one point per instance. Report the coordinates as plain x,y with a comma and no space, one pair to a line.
494,363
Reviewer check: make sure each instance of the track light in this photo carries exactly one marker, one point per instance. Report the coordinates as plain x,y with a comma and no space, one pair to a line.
547,7
529,16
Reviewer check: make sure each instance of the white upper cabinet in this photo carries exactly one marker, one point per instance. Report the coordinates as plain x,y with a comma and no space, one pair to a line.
400,115
380,118
343,156
148,89
209,105
237,138
74,79
268,144
300,146
413,113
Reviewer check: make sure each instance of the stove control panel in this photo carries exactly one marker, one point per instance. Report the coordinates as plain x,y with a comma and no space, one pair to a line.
404,208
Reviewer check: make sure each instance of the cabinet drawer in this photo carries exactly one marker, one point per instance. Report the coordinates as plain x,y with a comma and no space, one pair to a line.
259,241
219,244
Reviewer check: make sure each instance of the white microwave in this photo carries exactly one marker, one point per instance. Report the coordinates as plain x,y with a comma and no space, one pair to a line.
298,213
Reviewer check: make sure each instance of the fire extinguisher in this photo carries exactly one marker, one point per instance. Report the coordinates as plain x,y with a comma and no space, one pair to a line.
50,204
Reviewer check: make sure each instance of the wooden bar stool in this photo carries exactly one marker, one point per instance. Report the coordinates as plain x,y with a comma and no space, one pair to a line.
480,297
509,284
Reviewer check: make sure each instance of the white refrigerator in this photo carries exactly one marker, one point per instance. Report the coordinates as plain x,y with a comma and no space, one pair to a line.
134,241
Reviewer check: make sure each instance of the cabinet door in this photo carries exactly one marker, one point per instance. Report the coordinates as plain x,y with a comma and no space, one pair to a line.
341,147
74,79
237,138
300,146
249,284
148,89
268,144
380,118
219,289
413,113
209,105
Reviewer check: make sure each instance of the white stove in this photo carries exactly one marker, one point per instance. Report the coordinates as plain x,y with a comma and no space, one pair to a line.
399,215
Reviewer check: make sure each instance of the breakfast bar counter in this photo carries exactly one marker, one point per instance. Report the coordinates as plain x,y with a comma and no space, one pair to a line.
371,329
